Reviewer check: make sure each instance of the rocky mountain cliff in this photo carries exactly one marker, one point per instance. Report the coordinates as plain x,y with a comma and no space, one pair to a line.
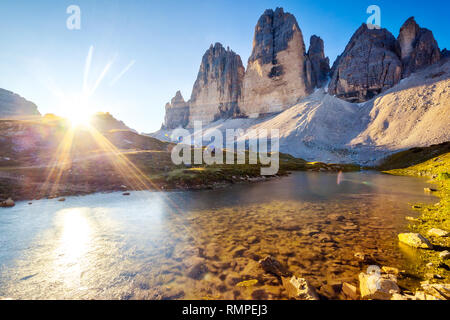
368,65
275,77
375,61
418,47
218,87
14,106
177,113
322,127
317,65
280,72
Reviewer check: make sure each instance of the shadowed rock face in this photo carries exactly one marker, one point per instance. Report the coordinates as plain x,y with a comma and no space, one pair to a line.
217,90
418,47
317,65
14,106
275,76
369,65
445,54
177,113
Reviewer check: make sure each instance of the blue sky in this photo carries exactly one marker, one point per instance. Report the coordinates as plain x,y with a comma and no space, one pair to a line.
43,61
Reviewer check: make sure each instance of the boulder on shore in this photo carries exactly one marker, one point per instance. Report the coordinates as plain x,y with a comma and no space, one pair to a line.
440,291
415,240
377,287
299,289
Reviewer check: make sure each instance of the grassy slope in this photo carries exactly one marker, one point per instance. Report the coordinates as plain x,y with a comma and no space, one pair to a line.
432,216
89,169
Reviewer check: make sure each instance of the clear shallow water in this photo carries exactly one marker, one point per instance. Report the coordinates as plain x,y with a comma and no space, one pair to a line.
107,246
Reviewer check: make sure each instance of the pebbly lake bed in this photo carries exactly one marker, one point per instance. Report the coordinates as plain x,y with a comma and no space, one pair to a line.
207,244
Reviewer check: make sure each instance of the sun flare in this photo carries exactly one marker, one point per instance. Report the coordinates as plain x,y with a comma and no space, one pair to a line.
77,110
80,119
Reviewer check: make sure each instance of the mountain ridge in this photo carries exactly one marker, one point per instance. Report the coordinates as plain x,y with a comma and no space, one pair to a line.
321,127
281,71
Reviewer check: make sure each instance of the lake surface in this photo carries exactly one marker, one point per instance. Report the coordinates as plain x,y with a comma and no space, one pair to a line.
202,244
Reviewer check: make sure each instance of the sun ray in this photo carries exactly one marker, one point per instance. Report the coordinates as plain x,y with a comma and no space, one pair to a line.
60,161
100,78
87,69
122,73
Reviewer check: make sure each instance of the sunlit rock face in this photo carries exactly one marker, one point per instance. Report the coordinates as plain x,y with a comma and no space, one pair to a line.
369,65
418,47
317,65
275,75
177,113
14,106
218,87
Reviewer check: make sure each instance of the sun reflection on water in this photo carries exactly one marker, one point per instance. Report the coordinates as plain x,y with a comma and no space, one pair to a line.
73,245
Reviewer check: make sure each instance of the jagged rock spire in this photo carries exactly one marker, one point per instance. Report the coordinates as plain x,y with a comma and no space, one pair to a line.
417,46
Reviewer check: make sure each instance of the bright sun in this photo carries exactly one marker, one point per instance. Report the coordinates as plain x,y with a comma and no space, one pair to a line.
77,110
80,119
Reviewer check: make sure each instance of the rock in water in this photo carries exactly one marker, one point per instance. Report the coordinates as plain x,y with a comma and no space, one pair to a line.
415,240
12,105
217,90
440,291
299,289
437,232
317,65
275,78
377,287
368,66
418,47
8,203
271,265
196,267
177,113
444,255
350,291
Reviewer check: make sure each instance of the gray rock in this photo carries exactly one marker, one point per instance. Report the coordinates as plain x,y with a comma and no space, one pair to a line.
368,66
273,32
177,113
317,65
218,87
418,47
275,78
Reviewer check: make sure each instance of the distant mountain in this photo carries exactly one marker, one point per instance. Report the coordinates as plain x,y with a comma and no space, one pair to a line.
14,106
104,121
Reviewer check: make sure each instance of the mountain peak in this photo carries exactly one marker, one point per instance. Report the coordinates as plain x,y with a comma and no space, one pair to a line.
417,46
